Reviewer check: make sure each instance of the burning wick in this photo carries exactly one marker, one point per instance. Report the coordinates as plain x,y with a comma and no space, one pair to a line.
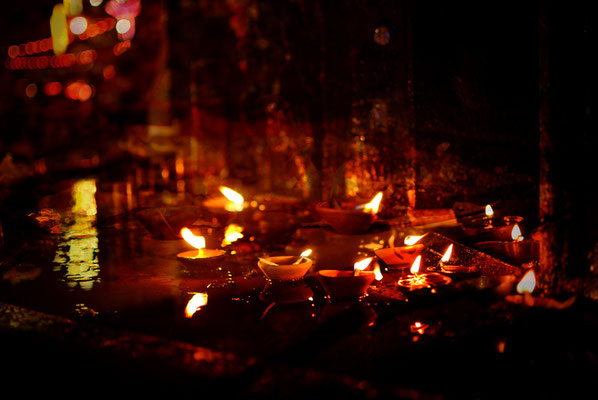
361,265
373,206
302,256
196,241
235,200
410,239
516,234
199,243
420,281
526,287
488,218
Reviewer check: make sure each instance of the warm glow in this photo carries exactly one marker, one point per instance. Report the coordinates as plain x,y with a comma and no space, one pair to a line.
232,234
527,284
447,254
235,199
306,253
373,206
516,234
58,28
196,241
197,301
415,267
378,273
78,25
409,239
123,26
84,195
489,211
363,264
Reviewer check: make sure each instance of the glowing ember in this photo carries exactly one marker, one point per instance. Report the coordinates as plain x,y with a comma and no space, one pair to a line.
516,234
196,241
236,201
373,206
409,239
362,265
415,267
527,284
489,211
197,301
447,254
232,234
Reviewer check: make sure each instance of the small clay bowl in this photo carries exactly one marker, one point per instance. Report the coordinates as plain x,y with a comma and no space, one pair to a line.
346,220
285,270
402,255
338,283
517,252
211,258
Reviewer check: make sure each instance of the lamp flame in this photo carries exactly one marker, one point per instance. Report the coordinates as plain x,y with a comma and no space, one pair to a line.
378,273
415,267
489,210
197,301
235,199
410,239
373,206
363,264
232,234
196,241
516,234
527,284
447,254
306,253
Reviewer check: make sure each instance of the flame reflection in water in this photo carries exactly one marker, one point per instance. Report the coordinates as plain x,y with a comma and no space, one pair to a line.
77,253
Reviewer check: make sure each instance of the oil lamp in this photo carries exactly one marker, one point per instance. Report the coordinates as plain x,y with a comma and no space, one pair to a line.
350,218
526,287
401,255
447,266
416,280
200,256
476,227
342,283
286,268
227,206
518,250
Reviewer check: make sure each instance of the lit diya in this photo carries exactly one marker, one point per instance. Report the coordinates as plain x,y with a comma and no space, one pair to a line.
526,287
350,218
483,227
447,266
518,250
342,283
227,206
286,268
200,256
401,255
416,280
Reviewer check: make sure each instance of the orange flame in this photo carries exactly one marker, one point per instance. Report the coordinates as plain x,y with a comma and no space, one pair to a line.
415,267
306,253
378,273
489,210
232,234
363,264
516,234
409,239
527,284
447,254
373,206
196,303
235,199
196,241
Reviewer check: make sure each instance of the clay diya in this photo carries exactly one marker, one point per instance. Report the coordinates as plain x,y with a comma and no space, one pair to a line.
518,250
200,256
285,268
350,218
342,283
448,266
526,287
399,256
417,280
226,207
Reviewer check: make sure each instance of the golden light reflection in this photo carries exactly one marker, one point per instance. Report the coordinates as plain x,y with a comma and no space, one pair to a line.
78,252
373,206
232,233
235,199
195,304
527,284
